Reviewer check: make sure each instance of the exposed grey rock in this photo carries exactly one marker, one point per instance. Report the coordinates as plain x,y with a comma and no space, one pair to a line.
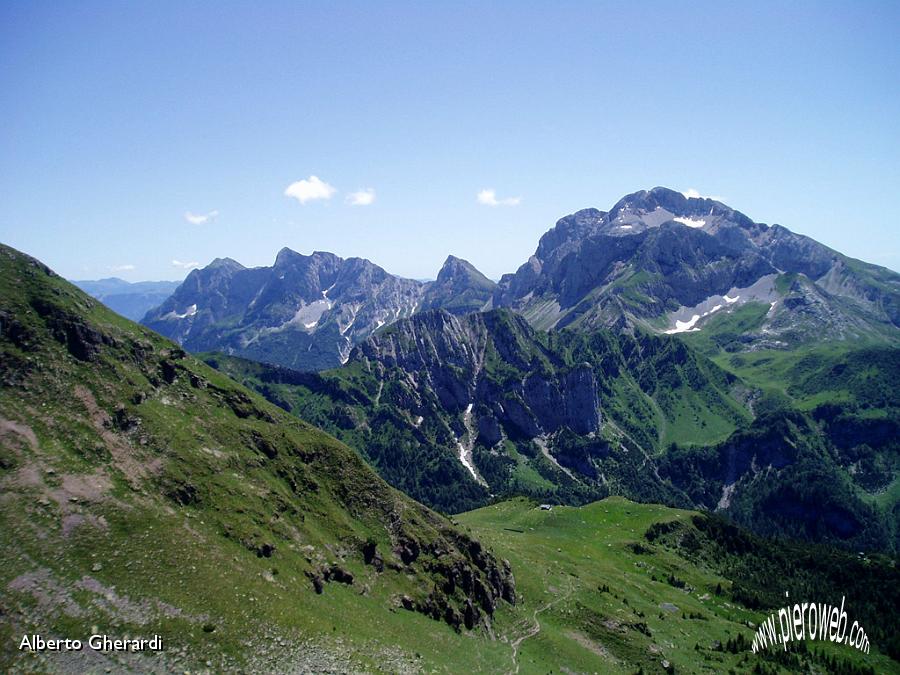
446,353
658,254
304,312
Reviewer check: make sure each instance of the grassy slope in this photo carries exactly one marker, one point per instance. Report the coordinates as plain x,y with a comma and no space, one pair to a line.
855,379
858,373
140,490
563,558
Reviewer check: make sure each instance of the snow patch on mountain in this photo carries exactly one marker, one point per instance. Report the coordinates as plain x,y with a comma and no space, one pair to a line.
686,319
465,450
690,222
308,315
685,326
190,311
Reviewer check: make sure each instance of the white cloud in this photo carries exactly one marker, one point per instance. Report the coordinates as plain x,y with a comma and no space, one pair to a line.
488,197
310,189
185,265
691,193
362,197
200,218
122,268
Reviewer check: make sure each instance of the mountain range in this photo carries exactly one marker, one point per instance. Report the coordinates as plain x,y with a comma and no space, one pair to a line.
658,260
632,342
460,411
669,263
304,312
670,351
144,492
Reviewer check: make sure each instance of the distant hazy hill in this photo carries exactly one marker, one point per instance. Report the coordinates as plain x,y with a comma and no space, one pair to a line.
131,300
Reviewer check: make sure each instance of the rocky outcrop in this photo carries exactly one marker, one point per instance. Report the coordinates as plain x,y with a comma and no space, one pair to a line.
468,587
80,339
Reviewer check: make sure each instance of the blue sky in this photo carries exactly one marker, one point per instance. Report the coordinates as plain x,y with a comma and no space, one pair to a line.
122,122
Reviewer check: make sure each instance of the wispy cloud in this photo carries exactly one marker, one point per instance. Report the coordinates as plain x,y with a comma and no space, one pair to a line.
200,218
309,189
362,197
122,268
185,265
691,193
488,197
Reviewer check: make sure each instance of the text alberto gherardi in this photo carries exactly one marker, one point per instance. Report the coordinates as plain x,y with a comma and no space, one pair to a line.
98,642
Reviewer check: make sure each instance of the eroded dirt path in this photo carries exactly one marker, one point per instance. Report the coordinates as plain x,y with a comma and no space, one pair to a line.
535,629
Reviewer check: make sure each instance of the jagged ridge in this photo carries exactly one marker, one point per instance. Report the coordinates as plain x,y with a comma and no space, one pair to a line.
304,312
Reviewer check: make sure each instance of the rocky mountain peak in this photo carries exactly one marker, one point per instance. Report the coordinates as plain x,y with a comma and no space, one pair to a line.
571,228
286,256
453,263
660,205
226,264
289,257
455,268
460,288
659,254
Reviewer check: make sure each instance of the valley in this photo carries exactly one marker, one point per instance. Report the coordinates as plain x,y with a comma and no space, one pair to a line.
347,473
607,594
442,338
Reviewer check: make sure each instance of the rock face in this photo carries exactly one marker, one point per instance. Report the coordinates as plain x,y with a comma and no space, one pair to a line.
304,312
446,356
658,258
453,408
